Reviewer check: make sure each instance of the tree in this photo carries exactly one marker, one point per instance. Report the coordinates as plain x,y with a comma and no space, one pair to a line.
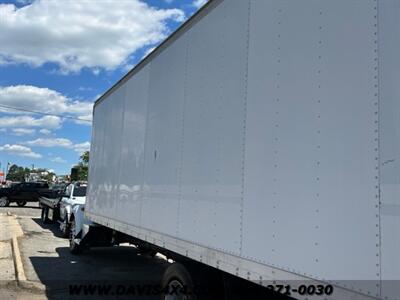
80,171
17,173
49,177
85,158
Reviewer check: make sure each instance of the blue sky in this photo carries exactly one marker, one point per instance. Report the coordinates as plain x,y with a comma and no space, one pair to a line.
57,57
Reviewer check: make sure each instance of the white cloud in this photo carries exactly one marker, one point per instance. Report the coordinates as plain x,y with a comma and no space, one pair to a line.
77,34
58,160
96,71
59,142
45,131
199,3
19,150
45,142
45,100
23,131
80,148
85,89
50,122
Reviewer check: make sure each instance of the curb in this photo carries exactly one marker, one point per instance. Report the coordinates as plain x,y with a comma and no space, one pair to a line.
20,276
32,286
19,269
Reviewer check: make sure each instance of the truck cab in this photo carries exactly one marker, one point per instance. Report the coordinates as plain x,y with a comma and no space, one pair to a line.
75,194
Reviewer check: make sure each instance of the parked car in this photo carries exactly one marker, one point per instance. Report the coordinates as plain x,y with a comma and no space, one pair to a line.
21,193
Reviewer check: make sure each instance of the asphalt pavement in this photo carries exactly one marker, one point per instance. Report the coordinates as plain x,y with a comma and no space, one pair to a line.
52,272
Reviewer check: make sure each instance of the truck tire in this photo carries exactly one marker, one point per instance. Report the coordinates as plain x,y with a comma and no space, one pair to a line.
45,215
177,284
21,203
4,201
74,248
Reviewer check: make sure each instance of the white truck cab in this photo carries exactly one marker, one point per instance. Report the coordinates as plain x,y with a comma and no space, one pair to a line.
75,195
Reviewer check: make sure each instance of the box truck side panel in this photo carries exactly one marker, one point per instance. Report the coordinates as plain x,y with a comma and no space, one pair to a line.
164,139
211,179
311,170
389,49
130,188
260,139
114,144
106,154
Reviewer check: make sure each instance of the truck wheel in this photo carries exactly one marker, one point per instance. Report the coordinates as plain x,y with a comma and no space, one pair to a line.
74,248
177,284
21,203
4,201
45,215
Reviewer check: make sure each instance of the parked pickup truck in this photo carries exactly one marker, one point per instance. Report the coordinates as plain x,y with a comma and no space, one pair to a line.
58,208
22,193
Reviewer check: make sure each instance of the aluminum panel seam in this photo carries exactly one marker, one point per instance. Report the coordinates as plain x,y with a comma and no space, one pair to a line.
90,169
319,132
182,144
389,146
246,77
144,146
275,220
378,146
118,186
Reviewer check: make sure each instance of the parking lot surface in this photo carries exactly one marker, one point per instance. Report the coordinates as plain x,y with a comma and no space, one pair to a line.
51,271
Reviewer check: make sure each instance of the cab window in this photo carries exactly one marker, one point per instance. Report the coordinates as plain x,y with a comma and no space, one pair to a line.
80,191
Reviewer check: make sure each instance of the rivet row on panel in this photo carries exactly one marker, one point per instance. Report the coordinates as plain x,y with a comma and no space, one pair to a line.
244,123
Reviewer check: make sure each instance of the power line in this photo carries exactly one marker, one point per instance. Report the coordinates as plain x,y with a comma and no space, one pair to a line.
44,114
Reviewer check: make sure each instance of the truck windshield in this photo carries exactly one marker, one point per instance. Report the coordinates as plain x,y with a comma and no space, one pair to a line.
80,191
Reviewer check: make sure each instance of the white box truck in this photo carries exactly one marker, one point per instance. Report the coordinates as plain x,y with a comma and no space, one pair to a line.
262,139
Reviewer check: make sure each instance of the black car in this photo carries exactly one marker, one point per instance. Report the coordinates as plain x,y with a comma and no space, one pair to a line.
22,193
